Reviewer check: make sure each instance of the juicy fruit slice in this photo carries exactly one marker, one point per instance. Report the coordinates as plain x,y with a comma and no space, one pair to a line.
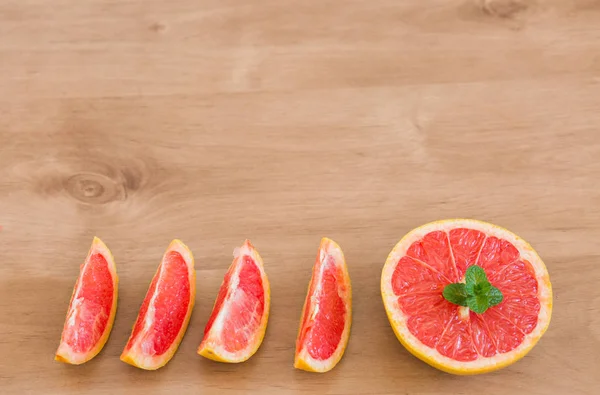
237,324
165,312
92,307
450,337
327,313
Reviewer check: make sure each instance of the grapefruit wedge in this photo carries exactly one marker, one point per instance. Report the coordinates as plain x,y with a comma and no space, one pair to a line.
165,312
237,324
92,307
327,313
466,296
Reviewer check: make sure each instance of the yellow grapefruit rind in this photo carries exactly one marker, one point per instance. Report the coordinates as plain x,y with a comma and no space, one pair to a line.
64,352
134,356
302,359
210,346
432,356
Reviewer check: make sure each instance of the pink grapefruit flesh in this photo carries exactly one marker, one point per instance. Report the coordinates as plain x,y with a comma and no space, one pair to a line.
237,324
92,307
452,337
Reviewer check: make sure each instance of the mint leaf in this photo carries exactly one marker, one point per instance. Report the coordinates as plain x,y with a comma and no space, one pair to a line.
455,293
478,303
479,288
475,275
478,294
495,296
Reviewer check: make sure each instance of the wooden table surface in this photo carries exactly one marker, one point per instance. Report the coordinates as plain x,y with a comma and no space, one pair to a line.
285,121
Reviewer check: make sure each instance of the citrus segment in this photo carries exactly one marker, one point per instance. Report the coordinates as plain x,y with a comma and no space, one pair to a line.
456,340
92,307
482,339
238,322
324,335
327,312
433,249
451,337
165,311
466,246
496,254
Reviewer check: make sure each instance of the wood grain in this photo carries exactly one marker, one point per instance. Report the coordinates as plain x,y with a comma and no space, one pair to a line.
284,121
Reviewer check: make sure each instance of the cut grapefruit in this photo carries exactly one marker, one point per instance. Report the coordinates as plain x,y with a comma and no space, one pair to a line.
237,324
327,313
165,312
452,337
92,307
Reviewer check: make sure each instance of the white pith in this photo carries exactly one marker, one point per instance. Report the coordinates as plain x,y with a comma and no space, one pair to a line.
212,340
140,353
399,319
334,251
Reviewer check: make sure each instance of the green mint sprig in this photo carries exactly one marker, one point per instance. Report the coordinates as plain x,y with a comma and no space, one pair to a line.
476,293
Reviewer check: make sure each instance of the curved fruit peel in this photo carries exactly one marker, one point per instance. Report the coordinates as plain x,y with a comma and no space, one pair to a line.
135,357
211,347
303,359
64,353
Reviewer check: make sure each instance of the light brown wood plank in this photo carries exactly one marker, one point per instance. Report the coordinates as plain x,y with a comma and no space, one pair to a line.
282,122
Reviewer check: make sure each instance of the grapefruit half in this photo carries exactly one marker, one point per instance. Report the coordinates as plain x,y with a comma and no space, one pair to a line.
92,307
454,338
327,313
238,322
165,312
